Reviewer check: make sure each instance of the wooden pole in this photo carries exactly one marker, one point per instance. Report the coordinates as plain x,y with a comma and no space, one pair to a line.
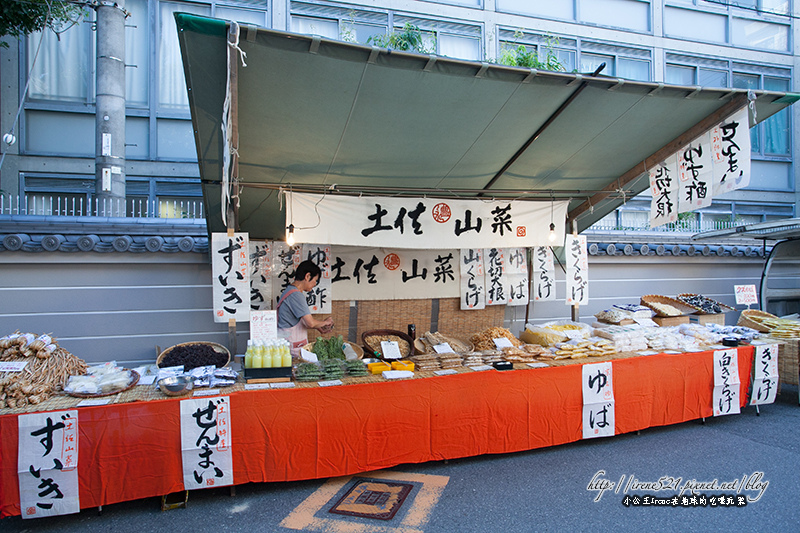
232,208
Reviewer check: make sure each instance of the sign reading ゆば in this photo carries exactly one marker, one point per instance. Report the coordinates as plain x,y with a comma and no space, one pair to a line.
423,223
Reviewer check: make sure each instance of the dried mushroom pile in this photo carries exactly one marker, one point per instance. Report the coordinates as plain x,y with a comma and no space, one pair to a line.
47,370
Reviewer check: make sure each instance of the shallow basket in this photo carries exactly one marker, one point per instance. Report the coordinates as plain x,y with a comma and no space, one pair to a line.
747,319
699,311
378,332
217,348
133,379
421,348
684,309
356,348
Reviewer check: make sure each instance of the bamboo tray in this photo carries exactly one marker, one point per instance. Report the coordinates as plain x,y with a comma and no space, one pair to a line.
134,379
217,348
751,318
421,347
722,306
683,308
371,349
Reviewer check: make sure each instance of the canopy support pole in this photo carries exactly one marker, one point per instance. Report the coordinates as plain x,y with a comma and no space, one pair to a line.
232,219
552,118
736,103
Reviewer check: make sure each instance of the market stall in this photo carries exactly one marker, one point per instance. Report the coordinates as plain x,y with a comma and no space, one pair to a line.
131,448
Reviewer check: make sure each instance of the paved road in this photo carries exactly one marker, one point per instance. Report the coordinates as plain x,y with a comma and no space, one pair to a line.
540,490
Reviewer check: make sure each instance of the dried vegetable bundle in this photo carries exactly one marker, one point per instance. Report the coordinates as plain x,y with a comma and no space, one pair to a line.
485,339
47,370
430,339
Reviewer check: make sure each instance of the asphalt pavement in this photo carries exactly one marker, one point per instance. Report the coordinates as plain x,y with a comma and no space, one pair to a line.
595,485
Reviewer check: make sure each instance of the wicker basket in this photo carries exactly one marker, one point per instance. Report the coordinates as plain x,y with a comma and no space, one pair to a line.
356,348
725,308
788,360
217,348
371,349
422,348
750,318
684,309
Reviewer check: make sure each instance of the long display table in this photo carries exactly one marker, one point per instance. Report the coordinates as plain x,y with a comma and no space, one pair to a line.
133,450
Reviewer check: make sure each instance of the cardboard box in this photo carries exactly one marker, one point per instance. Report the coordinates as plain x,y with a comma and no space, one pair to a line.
667,321
718,318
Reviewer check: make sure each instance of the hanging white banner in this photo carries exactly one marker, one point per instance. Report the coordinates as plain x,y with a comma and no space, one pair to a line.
765,374
726,382
260,255
695,174
230,278
577,259
730,148
664,189
206,443
284,263
319,298
544,275
47,464
495,279
422,223
598,400
473,291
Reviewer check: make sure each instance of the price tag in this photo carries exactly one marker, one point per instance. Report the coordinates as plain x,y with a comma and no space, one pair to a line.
480,368
206,392
443,348
330,383
502,342
282,385
94,401
538,365
12,366
745,294
256,386
391,350
445,372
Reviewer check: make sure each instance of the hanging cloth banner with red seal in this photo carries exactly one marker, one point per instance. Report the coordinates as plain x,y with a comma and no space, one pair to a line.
423,223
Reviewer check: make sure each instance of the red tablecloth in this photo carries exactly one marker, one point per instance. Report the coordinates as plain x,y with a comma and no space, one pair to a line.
131,451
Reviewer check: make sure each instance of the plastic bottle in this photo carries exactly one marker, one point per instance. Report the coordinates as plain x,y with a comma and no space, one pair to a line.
266,357
286,354
277,358
248,355
258,357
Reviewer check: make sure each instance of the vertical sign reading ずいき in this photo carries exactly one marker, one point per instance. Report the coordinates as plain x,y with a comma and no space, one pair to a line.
230,278
47,464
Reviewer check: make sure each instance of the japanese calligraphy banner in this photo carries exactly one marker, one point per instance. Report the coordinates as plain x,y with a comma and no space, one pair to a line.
206,443
598,400
423,223
730,149
473,291
319,298
664,189
261,275
544,274
230,276
577,259
765,374
715,163
47,464
726,382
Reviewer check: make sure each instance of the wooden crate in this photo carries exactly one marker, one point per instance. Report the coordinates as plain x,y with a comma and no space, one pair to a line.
718,318
667,321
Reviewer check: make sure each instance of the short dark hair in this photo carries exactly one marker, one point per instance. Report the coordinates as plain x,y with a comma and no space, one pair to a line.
307,267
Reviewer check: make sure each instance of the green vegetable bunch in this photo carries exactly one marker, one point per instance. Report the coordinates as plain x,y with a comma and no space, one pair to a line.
329,348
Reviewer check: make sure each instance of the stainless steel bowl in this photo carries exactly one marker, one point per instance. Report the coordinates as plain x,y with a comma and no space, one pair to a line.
176,385
368,360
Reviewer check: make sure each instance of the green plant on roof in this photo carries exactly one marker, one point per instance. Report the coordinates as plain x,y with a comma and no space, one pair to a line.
518,55
409,39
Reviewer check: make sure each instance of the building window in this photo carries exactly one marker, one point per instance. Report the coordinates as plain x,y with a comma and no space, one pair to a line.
771,137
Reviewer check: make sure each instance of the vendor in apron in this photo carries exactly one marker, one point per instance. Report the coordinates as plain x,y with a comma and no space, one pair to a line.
294,316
